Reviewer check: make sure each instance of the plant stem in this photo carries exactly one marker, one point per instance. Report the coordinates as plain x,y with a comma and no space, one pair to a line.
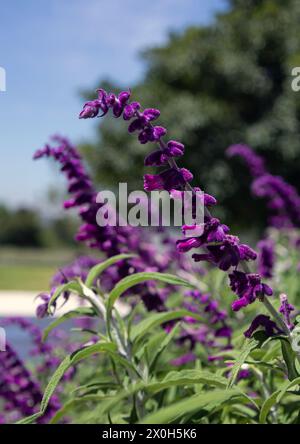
276,316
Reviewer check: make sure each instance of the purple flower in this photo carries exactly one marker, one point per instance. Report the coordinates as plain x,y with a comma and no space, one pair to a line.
19,388
42,309
167,179
282,198
286,309
104,102
130,110
90,109
270,326
266,258
254,162
248,287
162,156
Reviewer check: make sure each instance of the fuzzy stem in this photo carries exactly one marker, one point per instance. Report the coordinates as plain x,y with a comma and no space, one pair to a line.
276,316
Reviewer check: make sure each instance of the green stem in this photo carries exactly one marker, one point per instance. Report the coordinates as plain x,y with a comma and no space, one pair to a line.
276,316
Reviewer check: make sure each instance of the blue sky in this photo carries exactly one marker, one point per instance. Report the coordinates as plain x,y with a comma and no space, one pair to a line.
53,49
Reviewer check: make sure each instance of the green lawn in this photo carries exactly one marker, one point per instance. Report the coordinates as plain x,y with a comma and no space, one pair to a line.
25,277
30,269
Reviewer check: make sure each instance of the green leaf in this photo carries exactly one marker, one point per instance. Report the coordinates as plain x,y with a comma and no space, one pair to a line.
286,387
63,367
275,398
137,278
163,345
187,377
78,312
74,403
157,319
289,358
98,269
207,400
69,286
248,347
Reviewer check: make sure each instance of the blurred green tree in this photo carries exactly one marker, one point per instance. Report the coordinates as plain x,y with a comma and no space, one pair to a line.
229,82
21,228
24,227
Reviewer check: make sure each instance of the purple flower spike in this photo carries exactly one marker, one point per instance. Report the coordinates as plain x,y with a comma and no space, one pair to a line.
254,162
221,249
286,309
266,258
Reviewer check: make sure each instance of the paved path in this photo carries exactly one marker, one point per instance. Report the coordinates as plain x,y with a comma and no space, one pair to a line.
23,303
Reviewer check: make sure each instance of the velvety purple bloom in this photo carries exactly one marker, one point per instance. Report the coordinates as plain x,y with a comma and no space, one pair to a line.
254,162
104,102
227,255
42,309
264,321
158,157
248,287
130,110
285,309
244,374
185,245
90,109
282,198
161,156
46,151
167,179
213,231
19,389
224,332
266,258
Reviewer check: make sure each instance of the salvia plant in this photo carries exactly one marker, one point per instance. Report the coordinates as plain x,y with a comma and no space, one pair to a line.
198,329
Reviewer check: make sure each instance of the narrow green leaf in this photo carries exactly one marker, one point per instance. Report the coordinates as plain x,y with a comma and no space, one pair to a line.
81,311
207,400
98,269
186,377
69,286
289,358
138,278
63,367
163,345
75,403
289,384
249,345
157,319
275,398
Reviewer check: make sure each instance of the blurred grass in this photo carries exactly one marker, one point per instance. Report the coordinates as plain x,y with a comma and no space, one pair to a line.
25,277
30,269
